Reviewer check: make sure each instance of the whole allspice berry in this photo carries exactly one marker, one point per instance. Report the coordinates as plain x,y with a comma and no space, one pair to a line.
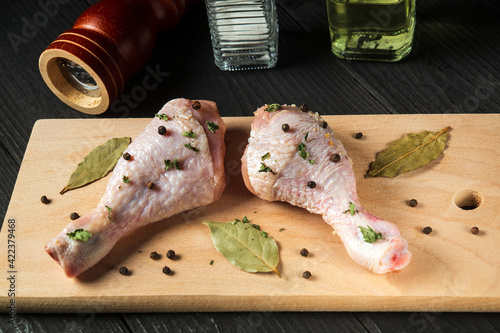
304,252
335,158
413,203
427,230
474,230
306,275
196,105
304,107
171,254
124,270
162,130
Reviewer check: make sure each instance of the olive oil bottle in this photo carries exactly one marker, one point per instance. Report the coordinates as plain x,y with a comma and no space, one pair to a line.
379,30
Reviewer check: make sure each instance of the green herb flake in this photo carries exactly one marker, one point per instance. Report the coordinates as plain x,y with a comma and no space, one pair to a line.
256,226
302,151
79,234
264,168
244,220
281,229
189,134
369,235
162,116
273,107
211,262
175,164
352,209
109,212
212,127
188,145
125,179
266,156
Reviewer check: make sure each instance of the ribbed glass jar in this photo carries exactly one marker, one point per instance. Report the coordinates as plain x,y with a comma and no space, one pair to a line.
244,33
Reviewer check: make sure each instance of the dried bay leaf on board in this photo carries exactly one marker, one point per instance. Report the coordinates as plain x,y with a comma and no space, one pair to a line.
98,163
409,153
245,246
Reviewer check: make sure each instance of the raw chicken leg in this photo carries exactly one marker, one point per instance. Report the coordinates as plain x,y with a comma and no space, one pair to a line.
322,182
197,180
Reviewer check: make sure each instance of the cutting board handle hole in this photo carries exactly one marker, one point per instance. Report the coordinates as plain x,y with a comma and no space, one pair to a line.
468,199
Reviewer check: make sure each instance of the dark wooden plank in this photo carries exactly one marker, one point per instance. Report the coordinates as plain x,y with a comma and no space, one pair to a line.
9,169
373,322
245,322
86,320
453,68
407,322
301,76
29,29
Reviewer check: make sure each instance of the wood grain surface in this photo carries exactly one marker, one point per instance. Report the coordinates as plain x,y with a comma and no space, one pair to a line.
451,269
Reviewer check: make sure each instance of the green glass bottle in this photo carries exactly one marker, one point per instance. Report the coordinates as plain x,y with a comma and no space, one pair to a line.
379,30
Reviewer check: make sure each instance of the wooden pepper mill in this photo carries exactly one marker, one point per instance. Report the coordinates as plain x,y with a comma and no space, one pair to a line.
87,66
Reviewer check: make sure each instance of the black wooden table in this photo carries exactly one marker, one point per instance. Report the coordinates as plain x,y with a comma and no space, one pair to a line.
453,68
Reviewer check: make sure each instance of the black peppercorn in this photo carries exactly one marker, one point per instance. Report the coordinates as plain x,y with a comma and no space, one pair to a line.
162,130
311,184
167,270
358,135
304,107
127,156
413,203
285,127
306,275
45,200
151,185
304,252
171,254
335,158
474,230
427,230
324,124
154,255
196,105
74,216
124,270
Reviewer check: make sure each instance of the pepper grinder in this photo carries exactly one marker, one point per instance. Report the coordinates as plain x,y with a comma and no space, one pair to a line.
87,66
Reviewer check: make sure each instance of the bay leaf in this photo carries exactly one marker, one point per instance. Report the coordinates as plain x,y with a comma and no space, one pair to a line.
409,153
98,163
245,246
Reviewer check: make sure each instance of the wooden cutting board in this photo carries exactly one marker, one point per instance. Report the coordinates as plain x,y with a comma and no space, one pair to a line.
451,269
